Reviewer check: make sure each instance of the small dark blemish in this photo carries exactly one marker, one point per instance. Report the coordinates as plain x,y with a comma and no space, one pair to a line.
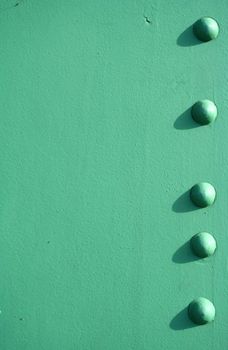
16,4
21,319
48,242
147,19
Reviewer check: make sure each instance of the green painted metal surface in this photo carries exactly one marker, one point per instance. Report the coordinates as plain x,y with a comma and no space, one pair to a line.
98,153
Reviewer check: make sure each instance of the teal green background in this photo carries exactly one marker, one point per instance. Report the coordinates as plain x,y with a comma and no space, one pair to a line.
97,152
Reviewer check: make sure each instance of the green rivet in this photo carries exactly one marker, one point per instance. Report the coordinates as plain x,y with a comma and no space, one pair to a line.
203,194
201,311
206,29
204,112
203,244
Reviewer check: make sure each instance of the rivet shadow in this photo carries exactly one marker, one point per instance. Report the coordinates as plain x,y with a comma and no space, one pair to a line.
181,321
185,121
187,38
184,254
183,204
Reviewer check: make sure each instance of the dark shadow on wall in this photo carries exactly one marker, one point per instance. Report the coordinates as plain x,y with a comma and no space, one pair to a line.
183,204
181,321
185,121
187,38
184,254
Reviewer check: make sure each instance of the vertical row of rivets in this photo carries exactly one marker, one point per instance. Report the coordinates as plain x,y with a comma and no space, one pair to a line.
203,244
205,111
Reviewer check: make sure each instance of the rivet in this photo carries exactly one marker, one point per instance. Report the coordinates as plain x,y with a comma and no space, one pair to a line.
203,194
206,29
204,112
201,311
203,244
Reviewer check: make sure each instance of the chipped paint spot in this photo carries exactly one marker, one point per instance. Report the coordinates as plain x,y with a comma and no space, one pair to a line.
147,19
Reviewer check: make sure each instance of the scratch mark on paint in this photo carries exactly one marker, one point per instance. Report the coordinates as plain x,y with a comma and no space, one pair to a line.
15,4
147,19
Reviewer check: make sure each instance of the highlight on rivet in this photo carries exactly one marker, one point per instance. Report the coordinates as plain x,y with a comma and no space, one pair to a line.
204,112
201,311
206,29
203,244
203,194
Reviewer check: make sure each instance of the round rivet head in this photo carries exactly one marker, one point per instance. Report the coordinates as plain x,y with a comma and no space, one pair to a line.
206,29
204,112
203,244
201,311
203,194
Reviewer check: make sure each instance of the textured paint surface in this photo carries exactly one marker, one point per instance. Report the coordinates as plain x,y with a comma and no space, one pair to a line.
98,151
